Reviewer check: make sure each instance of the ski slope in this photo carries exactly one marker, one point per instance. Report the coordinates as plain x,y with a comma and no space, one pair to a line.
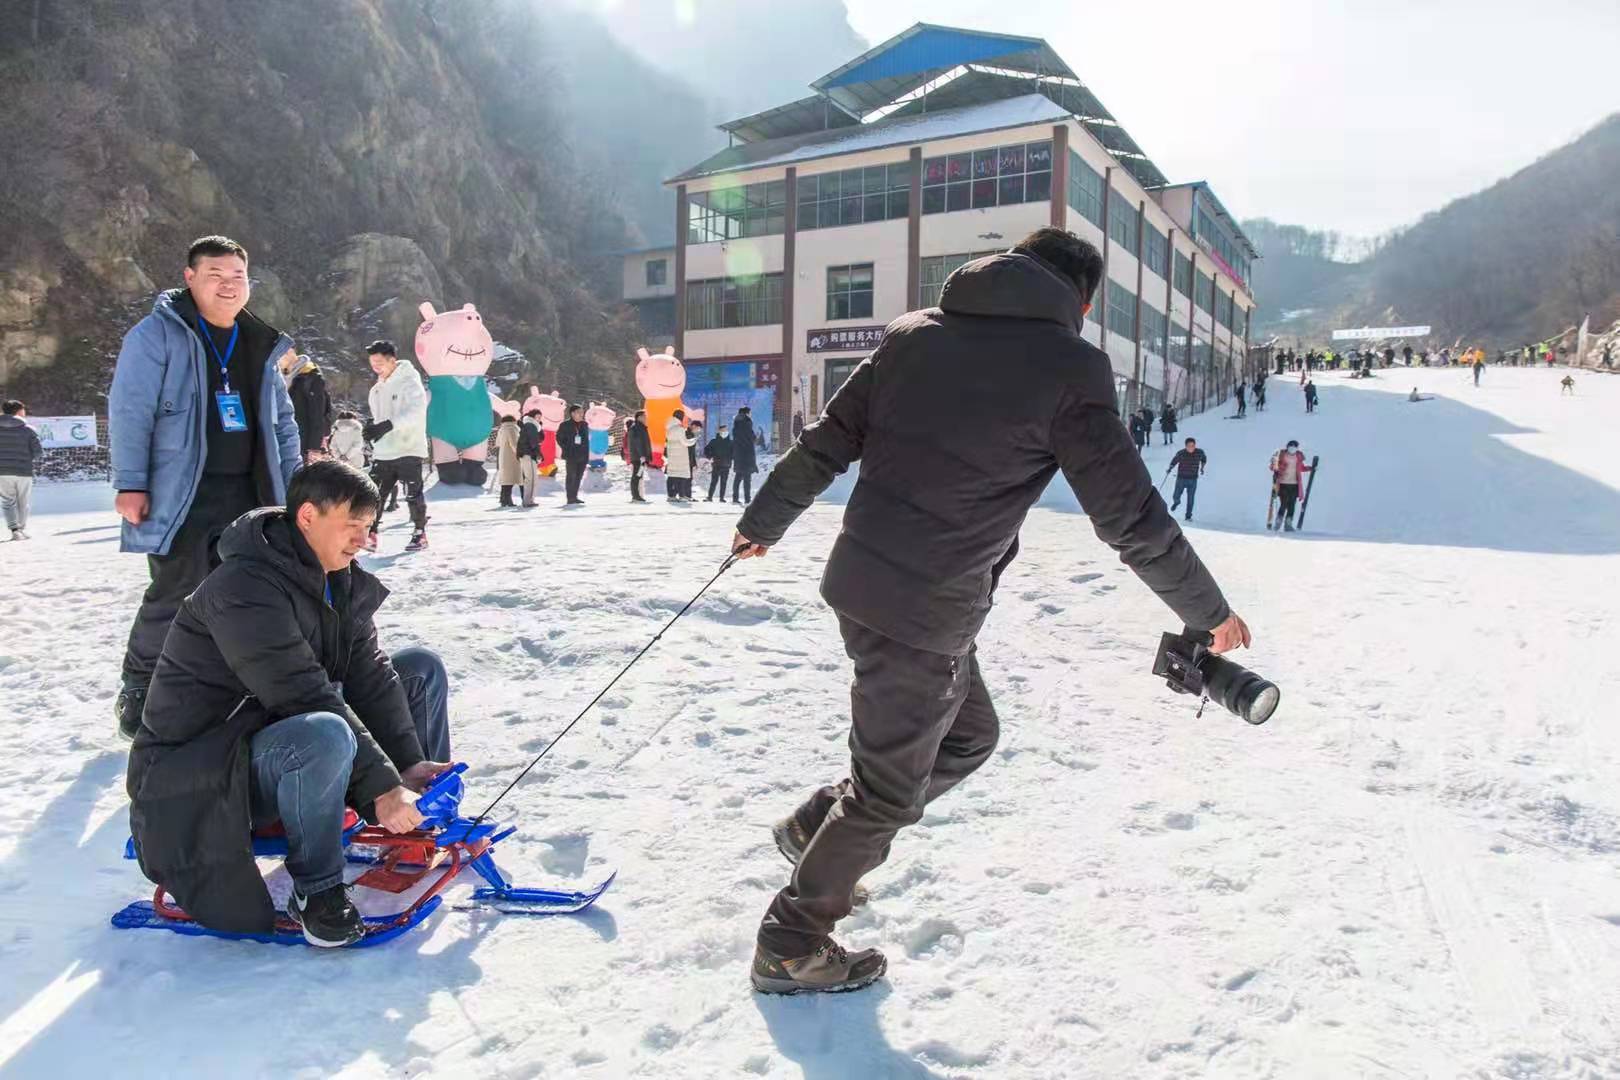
1412,871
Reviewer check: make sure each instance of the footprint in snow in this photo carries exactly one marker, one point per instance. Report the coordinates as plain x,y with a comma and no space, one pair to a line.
1081,579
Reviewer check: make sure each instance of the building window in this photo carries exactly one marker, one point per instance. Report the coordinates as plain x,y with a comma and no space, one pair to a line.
936,268
1121,311
1122,222
1204,291
1223,310
1085,189
657,271
1154,244
1207,230
1178,342
1183,275
1154,329
855,196
849,291
718,303
1002,176
735,212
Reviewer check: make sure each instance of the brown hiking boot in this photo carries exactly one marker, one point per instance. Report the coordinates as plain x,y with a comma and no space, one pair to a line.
791,840
831,969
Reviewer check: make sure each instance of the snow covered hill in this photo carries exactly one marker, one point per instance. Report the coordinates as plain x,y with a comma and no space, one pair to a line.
1413,870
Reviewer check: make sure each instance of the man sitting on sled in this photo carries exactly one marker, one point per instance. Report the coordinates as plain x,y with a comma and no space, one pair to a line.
273,701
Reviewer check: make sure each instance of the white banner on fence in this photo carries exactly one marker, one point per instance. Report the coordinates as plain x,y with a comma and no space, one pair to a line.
63,432
1369,333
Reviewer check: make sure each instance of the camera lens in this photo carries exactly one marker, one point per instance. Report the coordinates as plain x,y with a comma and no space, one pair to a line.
1239,690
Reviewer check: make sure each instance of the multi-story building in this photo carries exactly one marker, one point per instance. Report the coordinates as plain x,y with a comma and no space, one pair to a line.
828,217
649,287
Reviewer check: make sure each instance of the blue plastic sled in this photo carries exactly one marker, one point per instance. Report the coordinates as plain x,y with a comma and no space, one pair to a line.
425,860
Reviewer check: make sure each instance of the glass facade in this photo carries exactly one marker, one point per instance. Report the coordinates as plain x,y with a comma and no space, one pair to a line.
855,196
735,212
1154,329
1000,176
1121,311
1085,189
1122,222
717,303
1155,248
1182,281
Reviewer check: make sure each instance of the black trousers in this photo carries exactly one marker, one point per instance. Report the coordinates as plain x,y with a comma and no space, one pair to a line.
573,473
1287,496
744,483
407,471
920,723
220,500
718,478
635,479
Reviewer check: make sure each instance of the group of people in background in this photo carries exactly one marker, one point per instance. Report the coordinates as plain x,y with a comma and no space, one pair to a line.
731,451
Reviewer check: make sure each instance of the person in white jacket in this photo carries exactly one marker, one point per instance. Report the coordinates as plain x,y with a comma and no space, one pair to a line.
677,458
347,442
398,434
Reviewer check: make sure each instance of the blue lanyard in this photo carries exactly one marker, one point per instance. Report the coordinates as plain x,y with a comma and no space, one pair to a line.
329,593
230,347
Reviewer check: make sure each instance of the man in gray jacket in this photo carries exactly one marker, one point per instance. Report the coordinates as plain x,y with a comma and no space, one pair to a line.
20,452
930,526
201,431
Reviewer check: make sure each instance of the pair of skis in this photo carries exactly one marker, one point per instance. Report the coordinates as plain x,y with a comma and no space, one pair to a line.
1271,503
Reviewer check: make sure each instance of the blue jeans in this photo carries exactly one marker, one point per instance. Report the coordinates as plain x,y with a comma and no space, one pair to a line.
299,769
1188,486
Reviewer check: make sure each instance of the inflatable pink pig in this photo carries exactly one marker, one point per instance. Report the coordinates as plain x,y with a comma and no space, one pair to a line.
599,418
454,350
553,411
660,377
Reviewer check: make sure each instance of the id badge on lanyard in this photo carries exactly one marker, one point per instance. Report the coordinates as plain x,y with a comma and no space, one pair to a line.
232,417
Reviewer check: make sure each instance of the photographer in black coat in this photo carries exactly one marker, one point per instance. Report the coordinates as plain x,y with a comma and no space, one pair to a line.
273,700
743,456
926,535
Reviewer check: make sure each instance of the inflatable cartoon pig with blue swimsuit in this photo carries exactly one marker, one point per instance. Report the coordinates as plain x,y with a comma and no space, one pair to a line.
454,350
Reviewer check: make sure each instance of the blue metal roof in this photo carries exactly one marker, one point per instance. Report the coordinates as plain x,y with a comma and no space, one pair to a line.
931,48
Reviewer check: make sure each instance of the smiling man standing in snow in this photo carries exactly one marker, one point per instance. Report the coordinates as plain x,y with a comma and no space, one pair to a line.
201,431
930,527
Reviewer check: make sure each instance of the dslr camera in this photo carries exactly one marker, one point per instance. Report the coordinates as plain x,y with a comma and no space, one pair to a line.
1186,664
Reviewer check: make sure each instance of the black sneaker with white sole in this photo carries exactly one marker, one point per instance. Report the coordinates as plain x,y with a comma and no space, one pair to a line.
127,709
327,918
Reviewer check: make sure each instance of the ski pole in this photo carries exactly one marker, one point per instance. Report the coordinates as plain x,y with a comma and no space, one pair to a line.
731,560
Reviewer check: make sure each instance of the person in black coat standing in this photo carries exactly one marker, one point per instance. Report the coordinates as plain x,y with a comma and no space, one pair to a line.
272,700
1167,423
1139,433
574,444
312,406
923,544
638,449
743,458
718,453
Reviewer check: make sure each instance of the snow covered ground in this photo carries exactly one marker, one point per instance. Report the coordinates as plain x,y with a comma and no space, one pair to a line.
1413,870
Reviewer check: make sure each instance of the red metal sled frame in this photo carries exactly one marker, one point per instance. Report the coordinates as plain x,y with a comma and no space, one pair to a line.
390,878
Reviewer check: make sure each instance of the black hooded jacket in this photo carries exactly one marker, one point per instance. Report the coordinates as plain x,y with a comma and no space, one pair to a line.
934,518
256,643
743,452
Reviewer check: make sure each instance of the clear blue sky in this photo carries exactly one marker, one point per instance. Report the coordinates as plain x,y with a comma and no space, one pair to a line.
1357,115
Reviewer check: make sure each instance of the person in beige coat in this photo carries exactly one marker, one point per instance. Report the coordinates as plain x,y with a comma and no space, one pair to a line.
678,458
506,460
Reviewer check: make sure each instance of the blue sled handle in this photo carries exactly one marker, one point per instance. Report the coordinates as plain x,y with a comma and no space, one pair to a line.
442,799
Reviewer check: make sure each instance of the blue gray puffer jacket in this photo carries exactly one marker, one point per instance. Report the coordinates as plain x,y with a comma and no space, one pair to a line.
157,419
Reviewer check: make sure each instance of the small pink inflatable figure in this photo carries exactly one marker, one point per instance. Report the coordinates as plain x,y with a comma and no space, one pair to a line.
454,350
600,420
661,378
553,411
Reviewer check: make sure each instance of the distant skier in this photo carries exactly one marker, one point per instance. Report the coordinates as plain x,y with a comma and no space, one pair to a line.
1237,391
1167,423
1288,471
1260,393
1138,431
1407,353
1310,395
1189,464
1415,396
1568,384
1479,365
